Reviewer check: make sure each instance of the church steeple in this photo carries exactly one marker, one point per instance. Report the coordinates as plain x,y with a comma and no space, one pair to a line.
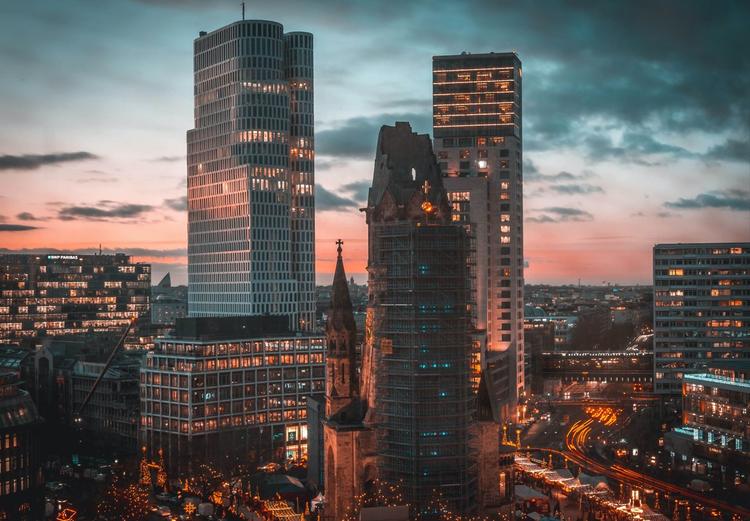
340,314
342,381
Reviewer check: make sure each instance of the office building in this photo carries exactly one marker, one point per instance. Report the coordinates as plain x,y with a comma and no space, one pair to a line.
20,472
168,303
416,372
230,391
701,309
478,142
715,434
112,411
55,295
250,162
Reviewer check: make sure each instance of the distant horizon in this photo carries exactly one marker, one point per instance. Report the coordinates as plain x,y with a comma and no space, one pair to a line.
628,140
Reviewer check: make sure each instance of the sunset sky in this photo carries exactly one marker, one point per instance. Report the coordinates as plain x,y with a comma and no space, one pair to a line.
636,121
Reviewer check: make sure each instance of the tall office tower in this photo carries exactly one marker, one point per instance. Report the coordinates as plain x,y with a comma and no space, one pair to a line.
477,131
251,218
416,360
55,295
701,309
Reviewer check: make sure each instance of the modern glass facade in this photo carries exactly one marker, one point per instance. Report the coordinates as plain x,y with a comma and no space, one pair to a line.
477,134
715,431
701,309
251,219
230,401
54,295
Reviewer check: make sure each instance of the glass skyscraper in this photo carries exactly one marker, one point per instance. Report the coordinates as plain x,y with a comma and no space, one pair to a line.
250,158
478,142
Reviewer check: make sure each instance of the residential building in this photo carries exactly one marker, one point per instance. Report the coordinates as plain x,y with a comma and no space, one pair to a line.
230,391
478,142
250,163
701,309
55,295
21,491
715,435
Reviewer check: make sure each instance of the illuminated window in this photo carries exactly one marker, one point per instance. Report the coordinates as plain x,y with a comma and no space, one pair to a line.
676,272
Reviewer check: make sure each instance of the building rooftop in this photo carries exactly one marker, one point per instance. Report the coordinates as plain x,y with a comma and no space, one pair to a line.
231,328
717,380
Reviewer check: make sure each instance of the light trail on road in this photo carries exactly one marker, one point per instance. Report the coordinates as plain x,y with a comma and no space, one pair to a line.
575,442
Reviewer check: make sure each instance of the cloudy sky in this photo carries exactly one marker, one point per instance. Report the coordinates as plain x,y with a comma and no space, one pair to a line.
636,129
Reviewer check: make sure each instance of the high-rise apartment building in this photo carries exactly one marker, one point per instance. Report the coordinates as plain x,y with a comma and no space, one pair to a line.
251,222
701,309
55,295
478,142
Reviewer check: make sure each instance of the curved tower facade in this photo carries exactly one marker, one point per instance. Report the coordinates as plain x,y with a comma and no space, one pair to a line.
250,174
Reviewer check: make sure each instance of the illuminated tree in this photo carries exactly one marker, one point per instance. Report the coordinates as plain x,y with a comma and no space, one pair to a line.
123,503
206,481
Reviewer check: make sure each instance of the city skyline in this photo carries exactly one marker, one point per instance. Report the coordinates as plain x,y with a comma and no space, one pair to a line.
97,118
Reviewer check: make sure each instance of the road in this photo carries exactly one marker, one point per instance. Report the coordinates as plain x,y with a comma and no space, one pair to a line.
577,438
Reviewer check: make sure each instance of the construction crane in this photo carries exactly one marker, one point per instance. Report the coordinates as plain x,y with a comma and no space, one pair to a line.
78,418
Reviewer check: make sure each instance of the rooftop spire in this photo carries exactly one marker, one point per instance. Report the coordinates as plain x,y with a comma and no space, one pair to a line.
340,315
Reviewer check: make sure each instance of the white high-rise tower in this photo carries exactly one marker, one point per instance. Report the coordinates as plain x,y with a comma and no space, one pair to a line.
251,223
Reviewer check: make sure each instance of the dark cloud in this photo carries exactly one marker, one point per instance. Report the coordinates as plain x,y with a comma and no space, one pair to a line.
178,204
730,150
34,161
538,177
356,138
27,216
633,147
408,103
105,211
16,227
324,163
167,159
357,189
577,189
738,200
325,201
138,252
556,214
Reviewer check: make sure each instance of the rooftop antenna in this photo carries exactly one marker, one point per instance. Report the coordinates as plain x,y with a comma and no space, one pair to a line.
100,248
243,11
